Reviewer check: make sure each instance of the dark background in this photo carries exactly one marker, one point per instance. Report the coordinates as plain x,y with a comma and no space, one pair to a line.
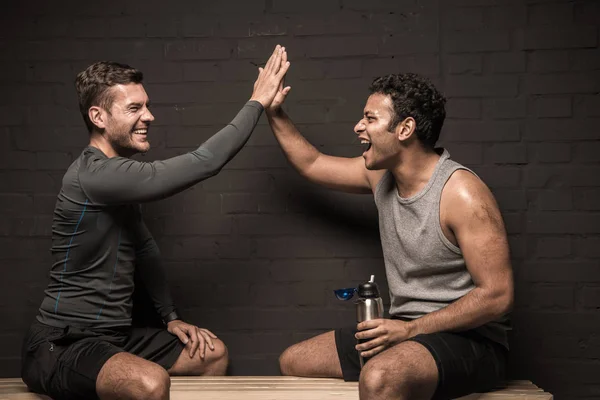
254,253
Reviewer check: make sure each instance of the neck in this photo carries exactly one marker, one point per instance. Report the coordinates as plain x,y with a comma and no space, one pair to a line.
98,141
414,170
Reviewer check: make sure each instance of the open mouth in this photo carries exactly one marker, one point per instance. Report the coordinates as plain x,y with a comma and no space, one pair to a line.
140,131
365,144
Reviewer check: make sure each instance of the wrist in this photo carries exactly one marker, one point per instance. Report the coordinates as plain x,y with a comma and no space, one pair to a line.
413,328
275,112
258,100
170,317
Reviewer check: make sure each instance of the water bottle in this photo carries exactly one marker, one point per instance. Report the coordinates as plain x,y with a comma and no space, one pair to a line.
368,306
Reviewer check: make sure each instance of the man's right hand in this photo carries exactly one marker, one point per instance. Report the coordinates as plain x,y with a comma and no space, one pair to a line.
270,78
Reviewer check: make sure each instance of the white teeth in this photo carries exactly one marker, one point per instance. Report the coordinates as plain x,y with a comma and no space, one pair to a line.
140,131
364,141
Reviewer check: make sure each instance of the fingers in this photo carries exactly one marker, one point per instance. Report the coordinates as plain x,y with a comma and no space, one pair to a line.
274,59
373,352
282,71
371,344
277,62
180,334
196,340
368,334
212,335
369,324
207,341
271,58
283,63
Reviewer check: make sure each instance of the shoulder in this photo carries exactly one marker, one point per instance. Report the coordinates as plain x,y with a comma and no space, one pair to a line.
466,198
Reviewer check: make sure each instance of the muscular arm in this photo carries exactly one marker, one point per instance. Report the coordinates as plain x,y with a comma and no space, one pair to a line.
120,180
472,214
345,174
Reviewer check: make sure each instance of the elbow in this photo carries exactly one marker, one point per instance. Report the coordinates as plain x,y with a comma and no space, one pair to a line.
502,301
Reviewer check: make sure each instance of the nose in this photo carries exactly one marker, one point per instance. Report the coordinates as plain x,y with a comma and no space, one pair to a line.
359,127
147,116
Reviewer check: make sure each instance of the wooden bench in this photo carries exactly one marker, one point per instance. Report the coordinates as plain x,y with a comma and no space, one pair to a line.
278,388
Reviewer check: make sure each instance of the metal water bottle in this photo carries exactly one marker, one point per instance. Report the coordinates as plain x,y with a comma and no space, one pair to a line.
368,306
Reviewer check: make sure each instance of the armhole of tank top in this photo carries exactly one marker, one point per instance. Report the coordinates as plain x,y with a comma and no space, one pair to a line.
379,184
443,238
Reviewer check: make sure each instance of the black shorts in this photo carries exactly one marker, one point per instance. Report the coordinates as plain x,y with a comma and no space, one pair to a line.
64,363
467,362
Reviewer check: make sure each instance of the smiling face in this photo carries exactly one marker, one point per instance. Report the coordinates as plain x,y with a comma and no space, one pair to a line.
381,144
127,121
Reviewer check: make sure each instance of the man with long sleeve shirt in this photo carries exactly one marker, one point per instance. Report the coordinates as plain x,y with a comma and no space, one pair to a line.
82,344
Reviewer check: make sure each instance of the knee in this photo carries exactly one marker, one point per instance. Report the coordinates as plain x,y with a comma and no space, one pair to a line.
155,384
214,363
375,382
287,361
220,354
372,379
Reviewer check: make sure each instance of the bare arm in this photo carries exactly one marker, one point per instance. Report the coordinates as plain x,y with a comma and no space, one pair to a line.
469,210
340,173
470,218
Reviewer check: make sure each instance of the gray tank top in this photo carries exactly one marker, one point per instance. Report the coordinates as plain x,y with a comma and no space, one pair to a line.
425,271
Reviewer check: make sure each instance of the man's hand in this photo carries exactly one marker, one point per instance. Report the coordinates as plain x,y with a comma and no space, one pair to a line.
282,92
270,78
381,334
193,337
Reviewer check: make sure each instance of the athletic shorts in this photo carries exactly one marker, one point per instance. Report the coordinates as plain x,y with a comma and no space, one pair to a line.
64,363
467,362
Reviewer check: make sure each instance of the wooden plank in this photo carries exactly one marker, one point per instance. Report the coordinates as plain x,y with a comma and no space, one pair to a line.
280,388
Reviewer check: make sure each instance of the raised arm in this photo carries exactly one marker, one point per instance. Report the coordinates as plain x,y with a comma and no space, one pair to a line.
340,173
120,180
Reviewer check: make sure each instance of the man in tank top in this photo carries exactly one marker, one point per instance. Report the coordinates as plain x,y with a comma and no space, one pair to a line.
444,246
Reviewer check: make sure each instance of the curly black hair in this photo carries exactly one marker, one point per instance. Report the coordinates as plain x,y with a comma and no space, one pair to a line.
93,85
414,96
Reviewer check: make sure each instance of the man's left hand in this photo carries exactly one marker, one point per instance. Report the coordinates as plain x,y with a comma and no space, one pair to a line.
193,337
381,334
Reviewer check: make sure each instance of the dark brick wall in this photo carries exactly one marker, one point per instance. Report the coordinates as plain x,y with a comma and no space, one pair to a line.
254,253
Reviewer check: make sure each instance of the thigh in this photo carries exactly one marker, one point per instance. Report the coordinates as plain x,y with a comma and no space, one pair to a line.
347,355
314,357
154,344
466,362
39,356
78,367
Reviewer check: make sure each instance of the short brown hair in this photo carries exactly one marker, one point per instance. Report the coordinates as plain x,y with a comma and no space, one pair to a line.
93,85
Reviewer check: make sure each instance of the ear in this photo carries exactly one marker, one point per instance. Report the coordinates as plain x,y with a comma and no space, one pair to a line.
405,129
98,116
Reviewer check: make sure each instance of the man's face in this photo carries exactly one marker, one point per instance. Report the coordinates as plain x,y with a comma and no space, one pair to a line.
372,130
128,120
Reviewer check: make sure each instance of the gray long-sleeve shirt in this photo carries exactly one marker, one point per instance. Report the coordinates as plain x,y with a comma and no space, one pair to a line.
99,238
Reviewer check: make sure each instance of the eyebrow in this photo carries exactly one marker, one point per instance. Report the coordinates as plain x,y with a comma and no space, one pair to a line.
138,104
